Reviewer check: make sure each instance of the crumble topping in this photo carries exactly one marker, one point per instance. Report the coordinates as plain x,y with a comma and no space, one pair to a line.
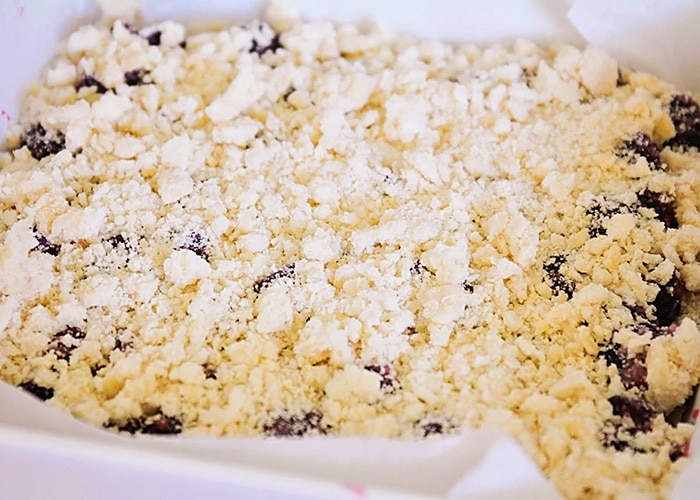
290,228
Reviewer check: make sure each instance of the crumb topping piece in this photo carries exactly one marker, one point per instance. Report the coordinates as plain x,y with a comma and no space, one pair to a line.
290,228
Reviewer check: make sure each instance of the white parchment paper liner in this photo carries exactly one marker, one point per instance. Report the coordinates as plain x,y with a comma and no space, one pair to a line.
468,465
647,35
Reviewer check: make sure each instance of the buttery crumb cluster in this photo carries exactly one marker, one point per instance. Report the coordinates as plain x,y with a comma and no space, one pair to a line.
291,228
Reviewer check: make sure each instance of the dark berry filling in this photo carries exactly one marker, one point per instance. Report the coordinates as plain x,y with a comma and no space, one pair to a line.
154,38
40,392
60,347
600,212
662,204
154,424
677,452
685,114
123,345
559,283
431,428
44,245
410,331
656,330
196,242
667,304
611,440
119,241
73,331
621,80
162,424
94,370
135,77
40,144
90,81
129,27
435,427
261,48
132,425
418,268
290,425
638,411
642,146
209,372
632,369
262,283
387,380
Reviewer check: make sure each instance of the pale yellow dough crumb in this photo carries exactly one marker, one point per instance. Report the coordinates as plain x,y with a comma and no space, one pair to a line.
291,228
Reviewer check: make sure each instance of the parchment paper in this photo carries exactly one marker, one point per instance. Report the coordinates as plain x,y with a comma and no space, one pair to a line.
75,460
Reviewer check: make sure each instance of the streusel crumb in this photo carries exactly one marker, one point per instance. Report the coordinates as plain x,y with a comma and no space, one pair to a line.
294,228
